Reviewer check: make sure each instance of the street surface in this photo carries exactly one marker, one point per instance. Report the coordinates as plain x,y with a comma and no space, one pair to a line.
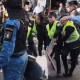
52,73
76,75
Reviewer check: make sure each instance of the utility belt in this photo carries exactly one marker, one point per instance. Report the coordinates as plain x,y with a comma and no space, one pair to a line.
19,54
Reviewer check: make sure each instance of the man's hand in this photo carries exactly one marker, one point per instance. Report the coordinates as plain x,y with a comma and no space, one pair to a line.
64,18
55,39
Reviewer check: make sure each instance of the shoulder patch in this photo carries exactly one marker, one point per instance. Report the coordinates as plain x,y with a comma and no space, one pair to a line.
8,33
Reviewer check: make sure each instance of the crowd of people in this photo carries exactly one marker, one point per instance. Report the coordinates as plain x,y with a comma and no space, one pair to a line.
17,42
66,32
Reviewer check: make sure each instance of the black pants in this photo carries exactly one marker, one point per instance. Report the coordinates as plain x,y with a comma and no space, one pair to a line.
57,51
74,52
32,48
41,41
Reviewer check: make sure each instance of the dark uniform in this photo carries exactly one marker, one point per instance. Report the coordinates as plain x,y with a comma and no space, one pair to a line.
75,13
31,44
54,31
40,31
41,37
71,44
57,49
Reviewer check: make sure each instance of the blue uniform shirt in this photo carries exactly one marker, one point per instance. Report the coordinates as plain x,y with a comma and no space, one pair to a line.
76,19
10,29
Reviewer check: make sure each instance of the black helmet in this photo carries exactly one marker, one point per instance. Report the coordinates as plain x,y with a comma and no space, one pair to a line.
18,4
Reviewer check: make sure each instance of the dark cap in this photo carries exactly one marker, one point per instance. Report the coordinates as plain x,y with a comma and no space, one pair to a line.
52,14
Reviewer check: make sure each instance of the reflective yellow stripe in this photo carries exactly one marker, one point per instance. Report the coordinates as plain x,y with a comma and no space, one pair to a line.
28,33
34,28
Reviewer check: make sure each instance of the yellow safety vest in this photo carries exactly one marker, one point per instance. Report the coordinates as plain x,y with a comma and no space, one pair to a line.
28,33
33,19
74,36
34,28
51,31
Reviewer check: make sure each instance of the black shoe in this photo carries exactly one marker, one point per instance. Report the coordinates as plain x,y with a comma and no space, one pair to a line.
58,75
64,74
67,75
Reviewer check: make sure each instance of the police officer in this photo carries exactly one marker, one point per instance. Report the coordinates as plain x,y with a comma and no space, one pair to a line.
41,32
31,44
73,12
51,27
13,57
55,32
71,44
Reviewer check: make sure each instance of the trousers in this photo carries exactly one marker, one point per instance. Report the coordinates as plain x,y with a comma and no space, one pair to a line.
73,49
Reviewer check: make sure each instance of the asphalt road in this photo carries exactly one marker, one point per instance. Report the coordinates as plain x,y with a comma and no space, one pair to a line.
76,75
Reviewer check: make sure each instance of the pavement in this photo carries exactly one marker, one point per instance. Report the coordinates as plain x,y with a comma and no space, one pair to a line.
76,74
52,74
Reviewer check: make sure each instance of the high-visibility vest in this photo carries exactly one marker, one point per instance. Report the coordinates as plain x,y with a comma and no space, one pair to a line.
28,33
74,36
51,31
32,19
34,28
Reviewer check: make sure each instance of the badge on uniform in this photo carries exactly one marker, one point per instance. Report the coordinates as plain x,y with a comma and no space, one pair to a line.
8,33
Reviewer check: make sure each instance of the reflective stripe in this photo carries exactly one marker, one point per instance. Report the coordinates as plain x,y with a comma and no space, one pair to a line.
28,33
72,37
52,30
34,28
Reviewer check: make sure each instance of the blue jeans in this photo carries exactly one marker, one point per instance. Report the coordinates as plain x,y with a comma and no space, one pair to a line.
14,70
